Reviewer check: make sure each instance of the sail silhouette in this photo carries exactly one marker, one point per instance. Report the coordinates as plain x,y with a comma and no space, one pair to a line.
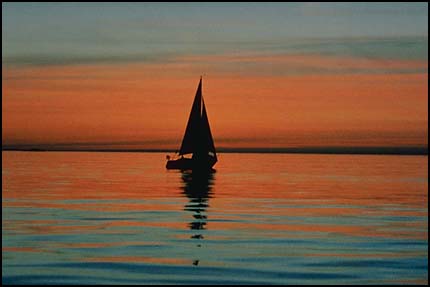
197,140
191,136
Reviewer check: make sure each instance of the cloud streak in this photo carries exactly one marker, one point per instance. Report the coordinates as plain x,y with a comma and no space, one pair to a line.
320,56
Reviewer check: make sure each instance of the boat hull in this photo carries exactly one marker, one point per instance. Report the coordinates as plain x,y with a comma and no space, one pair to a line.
191,164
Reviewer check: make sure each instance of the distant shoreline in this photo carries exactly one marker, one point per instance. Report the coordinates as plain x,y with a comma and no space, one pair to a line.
299,150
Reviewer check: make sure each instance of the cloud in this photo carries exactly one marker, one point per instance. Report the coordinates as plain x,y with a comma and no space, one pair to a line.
62,60
372,54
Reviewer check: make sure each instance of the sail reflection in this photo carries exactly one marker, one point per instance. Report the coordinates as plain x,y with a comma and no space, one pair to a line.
198,188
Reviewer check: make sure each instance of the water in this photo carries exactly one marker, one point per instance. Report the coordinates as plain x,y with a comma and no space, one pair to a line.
121,218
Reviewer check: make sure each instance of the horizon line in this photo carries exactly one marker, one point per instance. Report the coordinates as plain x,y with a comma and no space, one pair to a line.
382,150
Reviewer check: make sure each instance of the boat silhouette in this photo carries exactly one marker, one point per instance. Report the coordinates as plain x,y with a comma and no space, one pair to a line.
197,141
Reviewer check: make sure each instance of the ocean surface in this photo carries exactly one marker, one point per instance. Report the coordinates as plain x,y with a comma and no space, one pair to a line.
122,218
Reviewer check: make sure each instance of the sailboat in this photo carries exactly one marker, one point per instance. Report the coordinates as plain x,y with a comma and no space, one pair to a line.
197,141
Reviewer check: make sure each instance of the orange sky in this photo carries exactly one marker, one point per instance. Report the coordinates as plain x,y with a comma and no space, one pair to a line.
251,102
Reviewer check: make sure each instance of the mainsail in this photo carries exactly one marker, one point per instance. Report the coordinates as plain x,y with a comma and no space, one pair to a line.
198,138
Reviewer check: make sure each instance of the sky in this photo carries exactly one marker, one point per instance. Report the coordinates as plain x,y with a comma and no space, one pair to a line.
123,75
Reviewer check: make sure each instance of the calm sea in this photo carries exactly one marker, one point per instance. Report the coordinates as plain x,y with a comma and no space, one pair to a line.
122,218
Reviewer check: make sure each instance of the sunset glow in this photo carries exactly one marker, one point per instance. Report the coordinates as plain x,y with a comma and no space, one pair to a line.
202,143
316,95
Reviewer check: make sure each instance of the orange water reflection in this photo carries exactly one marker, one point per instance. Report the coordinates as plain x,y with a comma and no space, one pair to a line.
280,191
281,216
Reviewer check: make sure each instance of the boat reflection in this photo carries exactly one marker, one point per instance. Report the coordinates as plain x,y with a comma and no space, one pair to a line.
198,189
